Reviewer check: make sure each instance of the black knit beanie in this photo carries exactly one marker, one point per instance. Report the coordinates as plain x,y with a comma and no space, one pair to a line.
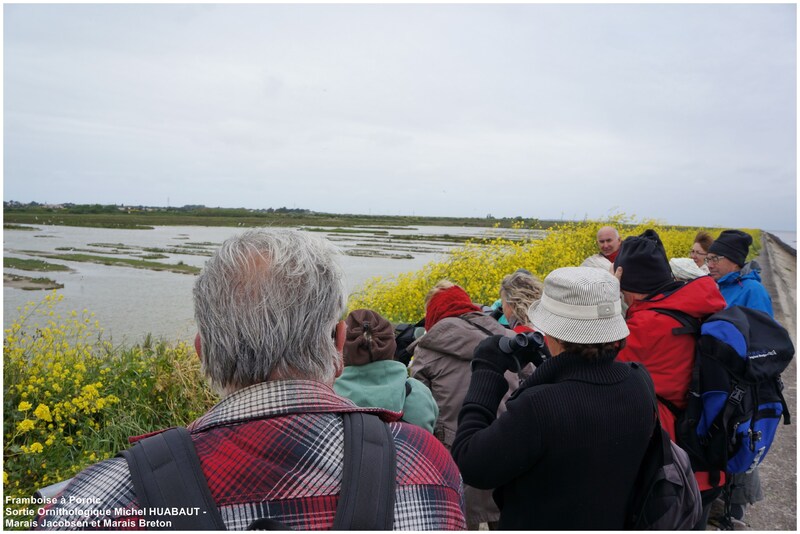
733,244
645,267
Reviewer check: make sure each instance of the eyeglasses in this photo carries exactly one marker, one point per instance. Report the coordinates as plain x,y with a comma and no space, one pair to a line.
714,259
695,253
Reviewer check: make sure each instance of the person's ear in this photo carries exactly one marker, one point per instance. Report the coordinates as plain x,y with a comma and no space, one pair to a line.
197,346
340,336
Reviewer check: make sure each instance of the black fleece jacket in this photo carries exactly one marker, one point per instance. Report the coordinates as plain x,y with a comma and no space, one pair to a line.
567,451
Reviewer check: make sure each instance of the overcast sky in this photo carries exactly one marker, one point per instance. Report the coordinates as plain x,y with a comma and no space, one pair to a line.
682,113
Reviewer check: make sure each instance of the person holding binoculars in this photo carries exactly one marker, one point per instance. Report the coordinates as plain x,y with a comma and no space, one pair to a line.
566,452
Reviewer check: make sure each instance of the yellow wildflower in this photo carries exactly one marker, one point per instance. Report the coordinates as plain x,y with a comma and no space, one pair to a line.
25,425
43,412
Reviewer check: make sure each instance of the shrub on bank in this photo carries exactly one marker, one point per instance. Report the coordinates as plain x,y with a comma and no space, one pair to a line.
480,266
70,398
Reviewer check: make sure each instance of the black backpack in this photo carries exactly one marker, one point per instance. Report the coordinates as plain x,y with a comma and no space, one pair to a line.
404,336
735,398
665,495
166,475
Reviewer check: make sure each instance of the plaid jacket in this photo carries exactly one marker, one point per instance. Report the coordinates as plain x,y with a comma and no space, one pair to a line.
274,450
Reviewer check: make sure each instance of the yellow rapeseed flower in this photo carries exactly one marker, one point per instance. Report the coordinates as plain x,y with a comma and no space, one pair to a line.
43,412
36,447
24,406
25,425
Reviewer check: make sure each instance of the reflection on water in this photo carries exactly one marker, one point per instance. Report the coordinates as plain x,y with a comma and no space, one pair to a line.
132,302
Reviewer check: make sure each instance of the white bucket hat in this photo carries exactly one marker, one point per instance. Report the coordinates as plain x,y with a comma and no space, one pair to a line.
580,305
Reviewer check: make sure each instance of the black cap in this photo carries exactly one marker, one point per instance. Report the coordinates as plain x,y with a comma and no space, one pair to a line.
645,267
733,244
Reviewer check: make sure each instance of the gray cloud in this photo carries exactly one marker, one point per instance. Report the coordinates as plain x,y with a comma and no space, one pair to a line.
684,113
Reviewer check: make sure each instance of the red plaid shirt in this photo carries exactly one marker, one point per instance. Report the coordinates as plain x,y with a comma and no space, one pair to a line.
275,450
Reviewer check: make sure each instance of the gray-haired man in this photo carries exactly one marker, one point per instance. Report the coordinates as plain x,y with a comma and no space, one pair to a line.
268,306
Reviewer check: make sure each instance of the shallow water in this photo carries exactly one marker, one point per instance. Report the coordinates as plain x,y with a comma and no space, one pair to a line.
788,237
130,303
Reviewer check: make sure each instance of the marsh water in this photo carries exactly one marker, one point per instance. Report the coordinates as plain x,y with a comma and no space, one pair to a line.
130,302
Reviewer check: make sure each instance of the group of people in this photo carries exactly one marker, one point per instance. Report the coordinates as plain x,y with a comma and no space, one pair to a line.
545,438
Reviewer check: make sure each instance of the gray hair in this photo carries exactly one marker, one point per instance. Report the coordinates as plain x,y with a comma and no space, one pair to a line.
519,290
268,302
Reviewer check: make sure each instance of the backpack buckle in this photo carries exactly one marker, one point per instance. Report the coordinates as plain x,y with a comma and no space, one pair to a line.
737,394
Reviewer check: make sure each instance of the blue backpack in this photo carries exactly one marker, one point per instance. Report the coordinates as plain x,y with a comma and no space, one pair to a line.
735,399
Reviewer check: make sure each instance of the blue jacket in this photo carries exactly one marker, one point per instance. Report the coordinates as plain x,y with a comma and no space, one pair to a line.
744,288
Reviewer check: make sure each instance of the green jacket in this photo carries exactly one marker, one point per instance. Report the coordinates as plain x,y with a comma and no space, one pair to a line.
382,384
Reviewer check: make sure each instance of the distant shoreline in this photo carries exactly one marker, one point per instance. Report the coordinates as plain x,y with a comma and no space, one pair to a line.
145,218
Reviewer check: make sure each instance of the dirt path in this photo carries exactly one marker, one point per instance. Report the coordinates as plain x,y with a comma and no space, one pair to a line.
778,510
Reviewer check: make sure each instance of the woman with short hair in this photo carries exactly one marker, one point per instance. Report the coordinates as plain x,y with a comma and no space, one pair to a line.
699,250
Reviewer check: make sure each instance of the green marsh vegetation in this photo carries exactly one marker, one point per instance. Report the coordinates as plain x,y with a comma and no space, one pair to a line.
32,265
19,227
179,267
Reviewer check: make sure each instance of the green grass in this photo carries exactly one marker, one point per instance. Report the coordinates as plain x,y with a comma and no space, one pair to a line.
179,267
32,265
18,227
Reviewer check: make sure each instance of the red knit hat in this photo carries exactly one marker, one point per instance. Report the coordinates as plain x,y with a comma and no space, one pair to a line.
450,302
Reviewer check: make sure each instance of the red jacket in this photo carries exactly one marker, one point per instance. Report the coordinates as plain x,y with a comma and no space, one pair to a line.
669,358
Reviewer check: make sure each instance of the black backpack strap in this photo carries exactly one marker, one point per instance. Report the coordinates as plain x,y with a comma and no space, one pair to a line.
166,473
368,482
787,417
670,405
689,324
479,327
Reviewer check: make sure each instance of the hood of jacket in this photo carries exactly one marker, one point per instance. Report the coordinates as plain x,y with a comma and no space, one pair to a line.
458,336
750,271
699,297
380,383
